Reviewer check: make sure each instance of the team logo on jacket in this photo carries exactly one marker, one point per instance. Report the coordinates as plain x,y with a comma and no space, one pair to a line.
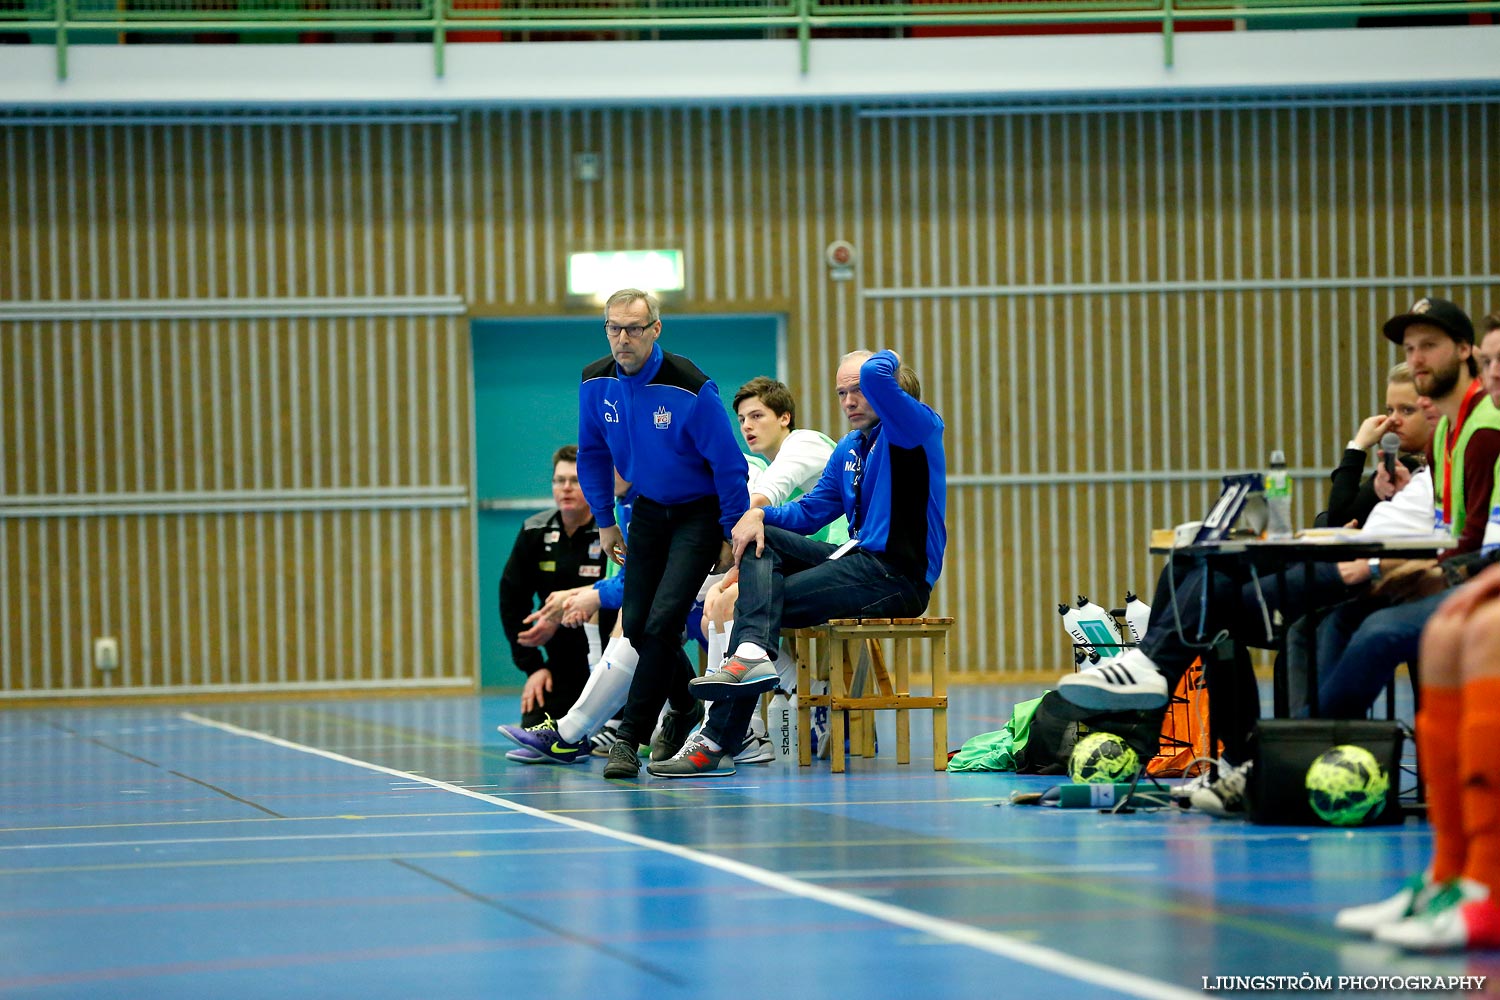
663,418
612,415
594,549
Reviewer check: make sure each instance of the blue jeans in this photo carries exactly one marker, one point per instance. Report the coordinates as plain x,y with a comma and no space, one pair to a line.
793,584
1208,601
1384,641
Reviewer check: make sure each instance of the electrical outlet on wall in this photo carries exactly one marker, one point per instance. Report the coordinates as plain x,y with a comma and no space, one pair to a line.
106,653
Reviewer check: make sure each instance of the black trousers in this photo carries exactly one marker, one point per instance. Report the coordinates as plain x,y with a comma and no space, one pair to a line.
670,550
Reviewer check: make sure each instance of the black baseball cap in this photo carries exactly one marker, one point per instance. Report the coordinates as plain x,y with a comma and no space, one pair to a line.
1438,312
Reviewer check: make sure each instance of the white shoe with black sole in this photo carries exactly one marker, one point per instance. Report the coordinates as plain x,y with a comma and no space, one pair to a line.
1131,681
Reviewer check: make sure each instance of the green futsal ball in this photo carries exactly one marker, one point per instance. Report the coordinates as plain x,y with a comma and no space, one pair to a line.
1101,758
1346,786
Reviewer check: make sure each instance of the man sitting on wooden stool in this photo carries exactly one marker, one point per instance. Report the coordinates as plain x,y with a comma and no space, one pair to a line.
888,476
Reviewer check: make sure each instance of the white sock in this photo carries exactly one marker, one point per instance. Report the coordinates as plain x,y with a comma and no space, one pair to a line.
786,669
750,651
709,743
718,644
591,633
604,694
757,726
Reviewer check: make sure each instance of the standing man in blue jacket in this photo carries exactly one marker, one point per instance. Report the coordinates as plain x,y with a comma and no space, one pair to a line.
658,419
889,477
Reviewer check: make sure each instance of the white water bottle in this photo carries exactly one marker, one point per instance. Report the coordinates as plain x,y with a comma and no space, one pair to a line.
781,727
1278,497
1101,627
1137,616
1081,645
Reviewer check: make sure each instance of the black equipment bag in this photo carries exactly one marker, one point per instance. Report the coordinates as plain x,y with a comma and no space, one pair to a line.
1058,725
1284,749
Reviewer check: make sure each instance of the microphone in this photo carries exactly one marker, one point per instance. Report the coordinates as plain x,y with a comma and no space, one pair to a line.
1389,445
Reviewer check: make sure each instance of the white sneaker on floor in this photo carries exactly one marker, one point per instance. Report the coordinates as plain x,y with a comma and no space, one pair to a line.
1459,917
1225,797
1130,681
757,750
1182,793
1412,900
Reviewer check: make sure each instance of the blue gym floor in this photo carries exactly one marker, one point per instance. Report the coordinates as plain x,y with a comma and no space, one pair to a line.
386,849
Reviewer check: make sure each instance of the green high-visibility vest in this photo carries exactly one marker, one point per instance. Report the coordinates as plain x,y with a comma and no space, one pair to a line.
1484,416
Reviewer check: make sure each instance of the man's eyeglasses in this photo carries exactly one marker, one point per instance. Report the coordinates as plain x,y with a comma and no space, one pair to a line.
564,480
614,331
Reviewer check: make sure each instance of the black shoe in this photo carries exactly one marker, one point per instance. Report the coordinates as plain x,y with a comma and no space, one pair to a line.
623,762
675,729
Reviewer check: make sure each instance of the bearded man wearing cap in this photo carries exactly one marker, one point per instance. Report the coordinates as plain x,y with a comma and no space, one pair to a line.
1438,339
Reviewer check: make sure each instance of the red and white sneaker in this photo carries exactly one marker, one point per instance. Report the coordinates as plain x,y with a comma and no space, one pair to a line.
1462,918
739,677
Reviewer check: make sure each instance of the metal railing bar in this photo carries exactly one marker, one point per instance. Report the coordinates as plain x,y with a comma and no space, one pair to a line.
445,491
1227,103
249,118
247,308
166,689
1187,287
1120,476
232,507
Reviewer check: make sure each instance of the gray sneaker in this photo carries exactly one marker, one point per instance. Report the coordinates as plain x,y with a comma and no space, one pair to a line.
739,677
623,761
694,760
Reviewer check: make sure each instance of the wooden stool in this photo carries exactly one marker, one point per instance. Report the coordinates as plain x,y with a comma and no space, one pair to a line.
832,652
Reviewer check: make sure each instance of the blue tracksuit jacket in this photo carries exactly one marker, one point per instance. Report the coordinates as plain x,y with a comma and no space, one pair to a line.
665,429
890,480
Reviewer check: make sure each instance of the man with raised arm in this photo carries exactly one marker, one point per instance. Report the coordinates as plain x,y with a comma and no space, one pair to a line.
888,477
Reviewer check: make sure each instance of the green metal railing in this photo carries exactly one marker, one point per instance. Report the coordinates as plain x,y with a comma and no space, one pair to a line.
56,20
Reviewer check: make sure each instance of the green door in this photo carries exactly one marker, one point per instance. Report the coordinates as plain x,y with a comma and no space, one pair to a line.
526,375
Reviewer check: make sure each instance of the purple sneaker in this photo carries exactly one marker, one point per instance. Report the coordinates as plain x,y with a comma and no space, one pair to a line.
545,740
524,755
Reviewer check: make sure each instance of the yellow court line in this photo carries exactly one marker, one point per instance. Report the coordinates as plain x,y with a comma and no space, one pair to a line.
490,812
242,819
1133,837
311,859
1198,914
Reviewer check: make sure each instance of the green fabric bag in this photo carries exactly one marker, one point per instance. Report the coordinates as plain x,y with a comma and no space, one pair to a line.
997,751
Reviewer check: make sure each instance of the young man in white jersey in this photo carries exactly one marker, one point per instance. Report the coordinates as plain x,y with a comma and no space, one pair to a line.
768,421
767,418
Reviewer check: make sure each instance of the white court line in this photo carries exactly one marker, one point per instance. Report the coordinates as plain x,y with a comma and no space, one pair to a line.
1040,957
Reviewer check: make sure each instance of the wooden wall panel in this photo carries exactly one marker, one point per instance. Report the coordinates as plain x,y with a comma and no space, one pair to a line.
1109,308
